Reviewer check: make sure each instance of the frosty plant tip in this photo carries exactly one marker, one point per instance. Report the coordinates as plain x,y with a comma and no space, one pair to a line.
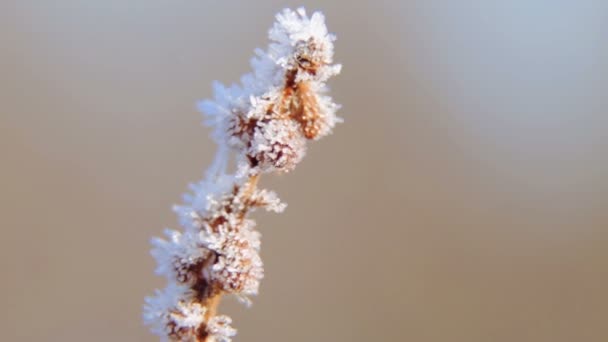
264,123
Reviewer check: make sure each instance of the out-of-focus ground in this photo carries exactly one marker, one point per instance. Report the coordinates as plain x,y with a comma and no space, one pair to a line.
465,198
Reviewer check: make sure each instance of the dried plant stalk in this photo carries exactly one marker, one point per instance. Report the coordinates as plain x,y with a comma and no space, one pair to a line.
264,123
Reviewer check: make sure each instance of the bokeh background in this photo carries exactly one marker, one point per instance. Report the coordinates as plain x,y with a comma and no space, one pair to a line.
465,198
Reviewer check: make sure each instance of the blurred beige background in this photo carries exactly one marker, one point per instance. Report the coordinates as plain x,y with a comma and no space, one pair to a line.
464,199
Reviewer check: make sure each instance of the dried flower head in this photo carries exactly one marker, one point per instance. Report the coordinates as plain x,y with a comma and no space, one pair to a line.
264,123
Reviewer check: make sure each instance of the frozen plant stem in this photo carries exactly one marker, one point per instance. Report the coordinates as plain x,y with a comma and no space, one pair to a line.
264,123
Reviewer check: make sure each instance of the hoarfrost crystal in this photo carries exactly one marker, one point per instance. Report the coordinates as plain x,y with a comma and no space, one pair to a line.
264,124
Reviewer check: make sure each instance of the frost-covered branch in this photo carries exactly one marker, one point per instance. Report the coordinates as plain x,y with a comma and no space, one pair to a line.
264,123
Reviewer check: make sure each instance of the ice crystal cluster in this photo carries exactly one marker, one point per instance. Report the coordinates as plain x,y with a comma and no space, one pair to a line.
264,124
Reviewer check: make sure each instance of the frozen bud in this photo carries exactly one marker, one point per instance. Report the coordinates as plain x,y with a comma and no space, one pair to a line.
173,313
180,256
277,145
309,55
268,200
219,329
239,268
